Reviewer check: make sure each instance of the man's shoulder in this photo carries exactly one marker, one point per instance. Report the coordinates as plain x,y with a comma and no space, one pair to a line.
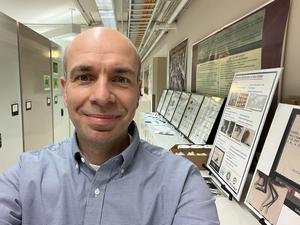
48,152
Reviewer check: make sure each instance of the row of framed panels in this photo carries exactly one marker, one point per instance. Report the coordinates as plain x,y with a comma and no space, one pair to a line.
192,114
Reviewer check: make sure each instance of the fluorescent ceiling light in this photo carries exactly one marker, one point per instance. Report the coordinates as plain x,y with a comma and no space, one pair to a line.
67,32
106,10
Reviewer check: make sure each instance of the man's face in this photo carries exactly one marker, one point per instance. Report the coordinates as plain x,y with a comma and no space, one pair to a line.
101,90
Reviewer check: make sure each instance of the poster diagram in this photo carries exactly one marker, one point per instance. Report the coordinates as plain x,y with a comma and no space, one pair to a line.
240,127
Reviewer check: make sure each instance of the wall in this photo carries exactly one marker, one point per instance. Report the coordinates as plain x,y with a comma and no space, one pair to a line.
203,17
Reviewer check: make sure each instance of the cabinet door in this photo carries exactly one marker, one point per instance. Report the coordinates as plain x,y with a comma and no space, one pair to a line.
60,113
35,72
11,144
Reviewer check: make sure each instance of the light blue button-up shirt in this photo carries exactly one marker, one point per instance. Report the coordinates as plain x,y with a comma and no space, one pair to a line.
144,185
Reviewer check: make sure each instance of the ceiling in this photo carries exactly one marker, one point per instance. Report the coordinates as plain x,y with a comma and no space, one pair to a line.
143,21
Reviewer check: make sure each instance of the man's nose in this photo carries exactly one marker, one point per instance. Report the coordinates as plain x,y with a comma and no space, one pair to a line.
102,92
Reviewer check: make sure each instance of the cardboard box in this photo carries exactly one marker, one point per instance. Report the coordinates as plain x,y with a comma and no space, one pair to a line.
195,153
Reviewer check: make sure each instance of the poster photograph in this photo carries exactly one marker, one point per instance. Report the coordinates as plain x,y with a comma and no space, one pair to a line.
267,196
177,66
240,128
217,158
233,99
224,127
241,100
256,102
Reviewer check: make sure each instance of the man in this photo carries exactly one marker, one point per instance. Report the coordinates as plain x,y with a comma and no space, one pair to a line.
104,174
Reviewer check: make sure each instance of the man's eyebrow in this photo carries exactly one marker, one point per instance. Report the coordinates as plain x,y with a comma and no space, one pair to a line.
80,68
124,69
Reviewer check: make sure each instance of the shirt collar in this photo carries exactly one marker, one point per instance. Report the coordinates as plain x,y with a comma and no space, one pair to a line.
127,154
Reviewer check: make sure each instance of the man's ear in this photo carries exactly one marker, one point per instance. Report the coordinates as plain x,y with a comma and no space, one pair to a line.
63,82
139,92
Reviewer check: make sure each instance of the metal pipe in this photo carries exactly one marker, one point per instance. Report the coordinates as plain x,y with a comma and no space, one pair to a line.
154,10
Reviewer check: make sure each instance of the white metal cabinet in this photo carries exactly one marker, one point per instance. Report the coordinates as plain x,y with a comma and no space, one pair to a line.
10,126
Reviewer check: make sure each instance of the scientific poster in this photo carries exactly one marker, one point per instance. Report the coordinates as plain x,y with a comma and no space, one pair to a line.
177,66
240,127
253,42
287,162
146,81
274,194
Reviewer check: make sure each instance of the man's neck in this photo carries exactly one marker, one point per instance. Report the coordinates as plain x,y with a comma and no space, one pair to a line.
98,153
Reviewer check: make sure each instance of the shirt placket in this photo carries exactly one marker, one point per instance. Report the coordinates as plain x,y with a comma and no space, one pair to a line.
96,195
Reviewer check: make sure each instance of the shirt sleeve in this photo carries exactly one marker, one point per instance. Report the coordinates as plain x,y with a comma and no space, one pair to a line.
10,206
197,204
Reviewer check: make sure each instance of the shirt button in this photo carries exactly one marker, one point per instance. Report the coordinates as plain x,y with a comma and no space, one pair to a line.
122,171
97,192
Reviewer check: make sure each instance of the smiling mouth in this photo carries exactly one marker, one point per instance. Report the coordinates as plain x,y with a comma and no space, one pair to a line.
103,116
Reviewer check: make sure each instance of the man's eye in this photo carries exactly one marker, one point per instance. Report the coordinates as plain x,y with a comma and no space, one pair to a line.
121,80
84,78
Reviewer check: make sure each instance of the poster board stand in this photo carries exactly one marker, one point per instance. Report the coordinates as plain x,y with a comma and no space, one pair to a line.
222,185
262,221
227,191
205,167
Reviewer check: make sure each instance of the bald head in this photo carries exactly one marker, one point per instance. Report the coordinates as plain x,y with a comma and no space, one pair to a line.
102,40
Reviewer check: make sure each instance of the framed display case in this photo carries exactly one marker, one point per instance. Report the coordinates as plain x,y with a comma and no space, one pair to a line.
172,105
183,101
161,100
205,119
190,114
166,102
